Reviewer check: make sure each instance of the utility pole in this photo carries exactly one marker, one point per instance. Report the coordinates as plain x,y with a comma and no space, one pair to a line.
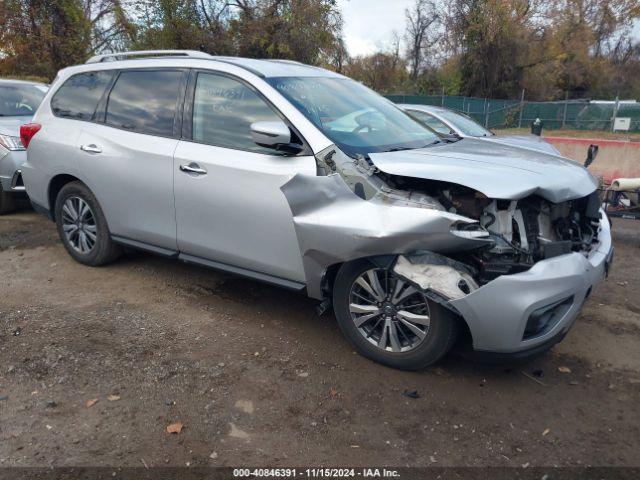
564,113
615,113
484,111
486,114
521,109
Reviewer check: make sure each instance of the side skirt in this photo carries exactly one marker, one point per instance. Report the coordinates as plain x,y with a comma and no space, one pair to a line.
127,242
243,272
203,262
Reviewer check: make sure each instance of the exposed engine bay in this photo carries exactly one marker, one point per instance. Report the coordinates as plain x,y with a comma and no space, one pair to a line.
523,231
516,233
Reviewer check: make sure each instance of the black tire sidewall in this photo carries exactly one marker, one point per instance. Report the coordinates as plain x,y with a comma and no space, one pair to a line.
103,242
7,202
439,340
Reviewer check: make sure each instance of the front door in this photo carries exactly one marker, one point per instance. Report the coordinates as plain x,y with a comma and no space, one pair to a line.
229,207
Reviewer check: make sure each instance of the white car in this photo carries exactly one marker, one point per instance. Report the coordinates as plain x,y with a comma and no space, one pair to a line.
450,122
18,102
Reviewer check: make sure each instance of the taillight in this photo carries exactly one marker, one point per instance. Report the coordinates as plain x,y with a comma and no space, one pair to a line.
27,132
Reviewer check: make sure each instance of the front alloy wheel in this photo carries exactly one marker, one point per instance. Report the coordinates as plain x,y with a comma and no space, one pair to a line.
388,312
388,319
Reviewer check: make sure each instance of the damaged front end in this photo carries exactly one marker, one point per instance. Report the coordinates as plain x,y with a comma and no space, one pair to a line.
349,212
521,232
456,244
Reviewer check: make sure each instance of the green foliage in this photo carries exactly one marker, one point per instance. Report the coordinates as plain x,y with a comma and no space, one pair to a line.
497,48
40,37
492,48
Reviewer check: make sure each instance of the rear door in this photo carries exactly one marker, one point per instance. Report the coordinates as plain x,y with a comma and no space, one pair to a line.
128,154
231,210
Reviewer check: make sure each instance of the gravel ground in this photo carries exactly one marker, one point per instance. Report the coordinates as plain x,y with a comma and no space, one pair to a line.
95,364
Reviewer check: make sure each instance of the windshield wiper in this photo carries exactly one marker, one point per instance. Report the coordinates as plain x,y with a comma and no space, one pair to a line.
451,138
399,149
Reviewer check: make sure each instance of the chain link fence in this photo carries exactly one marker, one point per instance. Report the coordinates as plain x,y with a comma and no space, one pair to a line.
568,114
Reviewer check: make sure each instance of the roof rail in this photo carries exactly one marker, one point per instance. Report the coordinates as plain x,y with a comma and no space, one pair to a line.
109,57
283,60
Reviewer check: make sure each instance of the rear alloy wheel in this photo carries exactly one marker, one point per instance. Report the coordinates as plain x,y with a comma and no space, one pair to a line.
390,320
79,225
82,226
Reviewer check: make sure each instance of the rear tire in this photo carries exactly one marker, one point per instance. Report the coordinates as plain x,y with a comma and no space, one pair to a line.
436,330
83,227
7,202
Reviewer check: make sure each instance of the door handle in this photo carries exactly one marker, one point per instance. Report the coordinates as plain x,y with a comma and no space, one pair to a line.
193,168
92,148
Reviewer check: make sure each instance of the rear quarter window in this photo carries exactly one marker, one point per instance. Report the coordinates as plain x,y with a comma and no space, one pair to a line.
78,97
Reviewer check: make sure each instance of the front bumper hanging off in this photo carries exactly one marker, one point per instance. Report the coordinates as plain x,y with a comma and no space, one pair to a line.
500,314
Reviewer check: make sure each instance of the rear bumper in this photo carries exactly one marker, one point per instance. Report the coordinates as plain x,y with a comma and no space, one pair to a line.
497,313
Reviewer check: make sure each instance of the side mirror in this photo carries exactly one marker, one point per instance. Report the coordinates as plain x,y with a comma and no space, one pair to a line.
275,135
592,153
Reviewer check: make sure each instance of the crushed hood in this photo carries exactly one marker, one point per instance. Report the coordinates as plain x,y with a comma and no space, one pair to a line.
497,170
11,125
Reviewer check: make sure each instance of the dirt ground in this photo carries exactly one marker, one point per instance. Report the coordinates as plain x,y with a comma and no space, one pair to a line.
257,378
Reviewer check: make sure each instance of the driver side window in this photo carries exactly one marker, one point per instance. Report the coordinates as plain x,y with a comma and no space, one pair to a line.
223,111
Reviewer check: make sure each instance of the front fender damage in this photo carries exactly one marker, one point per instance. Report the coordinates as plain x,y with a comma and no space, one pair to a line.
333,225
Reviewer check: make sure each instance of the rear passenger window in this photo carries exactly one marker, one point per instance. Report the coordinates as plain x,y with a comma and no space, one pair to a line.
144,101
78,97
223,111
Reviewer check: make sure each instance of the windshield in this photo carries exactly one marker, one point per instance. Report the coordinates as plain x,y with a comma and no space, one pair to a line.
20,100
465,124
355,118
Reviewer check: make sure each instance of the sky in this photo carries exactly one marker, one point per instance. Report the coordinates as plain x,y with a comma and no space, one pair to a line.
369,24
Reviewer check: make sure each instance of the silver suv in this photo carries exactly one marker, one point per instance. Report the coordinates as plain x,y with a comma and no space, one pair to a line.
303,178
19,100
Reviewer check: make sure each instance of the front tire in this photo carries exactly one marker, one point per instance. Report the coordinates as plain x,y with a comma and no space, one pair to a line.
390,321
83,227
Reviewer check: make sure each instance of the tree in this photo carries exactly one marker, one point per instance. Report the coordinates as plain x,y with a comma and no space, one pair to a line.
385,72
423,32
39,37
493,38
588,38
183,24
308,31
